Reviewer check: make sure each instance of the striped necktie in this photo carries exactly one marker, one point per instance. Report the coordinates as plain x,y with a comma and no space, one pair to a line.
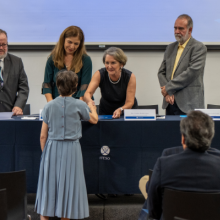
1,78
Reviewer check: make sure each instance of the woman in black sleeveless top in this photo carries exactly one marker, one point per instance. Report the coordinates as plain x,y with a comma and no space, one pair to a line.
118,85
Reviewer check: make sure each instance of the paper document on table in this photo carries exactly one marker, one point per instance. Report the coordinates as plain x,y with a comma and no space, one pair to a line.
29,118
6,115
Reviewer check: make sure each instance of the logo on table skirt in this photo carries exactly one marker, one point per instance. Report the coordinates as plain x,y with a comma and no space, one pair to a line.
105,150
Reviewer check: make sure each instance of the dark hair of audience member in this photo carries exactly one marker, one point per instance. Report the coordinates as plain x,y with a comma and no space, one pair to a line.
198,130
66,82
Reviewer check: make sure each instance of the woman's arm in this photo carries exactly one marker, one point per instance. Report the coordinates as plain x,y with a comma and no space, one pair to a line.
130,96
93,85
48,79
43,135
48,97
86,77
93,114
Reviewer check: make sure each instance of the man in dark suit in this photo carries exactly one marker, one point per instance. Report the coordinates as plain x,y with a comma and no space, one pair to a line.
182,70
14,88
179,149
193,169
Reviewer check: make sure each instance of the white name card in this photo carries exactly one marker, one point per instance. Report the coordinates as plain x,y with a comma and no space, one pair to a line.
139,114
214,113
6,115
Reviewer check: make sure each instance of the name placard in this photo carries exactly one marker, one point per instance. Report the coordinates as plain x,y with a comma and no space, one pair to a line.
214,113
139,114
40,115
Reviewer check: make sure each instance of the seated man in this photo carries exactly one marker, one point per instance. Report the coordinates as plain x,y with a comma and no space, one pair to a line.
144,181
13,80
193,169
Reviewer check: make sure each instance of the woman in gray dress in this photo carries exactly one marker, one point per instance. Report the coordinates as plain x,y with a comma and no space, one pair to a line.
61,188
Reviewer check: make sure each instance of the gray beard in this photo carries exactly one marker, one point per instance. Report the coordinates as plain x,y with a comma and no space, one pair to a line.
4,55
182,39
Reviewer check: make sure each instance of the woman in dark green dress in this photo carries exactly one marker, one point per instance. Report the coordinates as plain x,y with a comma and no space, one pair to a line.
68,54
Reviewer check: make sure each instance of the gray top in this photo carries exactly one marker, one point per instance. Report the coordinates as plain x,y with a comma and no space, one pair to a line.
63,115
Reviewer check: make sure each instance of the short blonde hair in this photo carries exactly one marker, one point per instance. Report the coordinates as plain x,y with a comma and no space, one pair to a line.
117,53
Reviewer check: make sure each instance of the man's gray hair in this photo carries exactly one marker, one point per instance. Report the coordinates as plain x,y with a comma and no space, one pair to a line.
188,18
3,32
198,130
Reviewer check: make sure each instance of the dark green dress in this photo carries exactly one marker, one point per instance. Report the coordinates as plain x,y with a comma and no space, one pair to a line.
84,78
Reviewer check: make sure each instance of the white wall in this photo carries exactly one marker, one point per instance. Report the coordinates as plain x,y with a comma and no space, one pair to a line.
143,64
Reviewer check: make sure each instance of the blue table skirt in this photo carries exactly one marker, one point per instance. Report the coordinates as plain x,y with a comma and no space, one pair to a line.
134,147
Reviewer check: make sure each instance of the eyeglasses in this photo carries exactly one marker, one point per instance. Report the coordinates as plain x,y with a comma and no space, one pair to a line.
3,45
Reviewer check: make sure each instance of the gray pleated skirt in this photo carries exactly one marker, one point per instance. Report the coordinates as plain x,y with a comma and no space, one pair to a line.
61,187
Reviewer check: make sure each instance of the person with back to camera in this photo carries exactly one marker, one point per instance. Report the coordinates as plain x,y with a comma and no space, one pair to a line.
194,169
118,85
68,54
61,187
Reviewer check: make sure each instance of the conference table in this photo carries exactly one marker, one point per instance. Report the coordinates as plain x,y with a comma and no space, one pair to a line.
116,153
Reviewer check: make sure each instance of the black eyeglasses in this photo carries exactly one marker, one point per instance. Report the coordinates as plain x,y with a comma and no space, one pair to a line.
3,45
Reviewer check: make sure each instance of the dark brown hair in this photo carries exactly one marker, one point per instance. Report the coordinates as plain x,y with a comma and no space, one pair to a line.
66,82
58,53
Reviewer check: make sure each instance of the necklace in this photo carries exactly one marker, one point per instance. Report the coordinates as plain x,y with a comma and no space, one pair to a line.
112,81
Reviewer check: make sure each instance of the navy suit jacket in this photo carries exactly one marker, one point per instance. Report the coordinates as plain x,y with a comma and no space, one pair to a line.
179,149
187,171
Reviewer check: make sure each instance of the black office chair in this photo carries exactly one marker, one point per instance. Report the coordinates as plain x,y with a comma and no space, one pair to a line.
191,205
27,109
15,184
97,109
149,107
210,106
150,174
3,204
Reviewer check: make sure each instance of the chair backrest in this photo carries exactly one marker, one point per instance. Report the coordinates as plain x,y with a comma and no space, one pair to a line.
27,109
97,109
150,174
15,184
3,204
210,106
149,107
190,205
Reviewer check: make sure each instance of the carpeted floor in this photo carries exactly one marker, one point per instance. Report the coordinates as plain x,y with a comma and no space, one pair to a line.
114,208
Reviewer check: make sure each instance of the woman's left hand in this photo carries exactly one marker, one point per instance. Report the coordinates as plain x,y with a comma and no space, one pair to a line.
117,113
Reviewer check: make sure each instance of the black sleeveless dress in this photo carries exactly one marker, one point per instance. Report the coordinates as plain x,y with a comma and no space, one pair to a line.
113,95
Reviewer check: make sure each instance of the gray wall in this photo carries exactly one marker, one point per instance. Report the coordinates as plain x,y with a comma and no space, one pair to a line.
143,64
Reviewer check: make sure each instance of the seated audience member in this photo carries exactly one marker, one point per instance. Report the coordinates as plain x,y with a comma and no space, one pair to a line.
14,88
144,181
118,85
194,169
